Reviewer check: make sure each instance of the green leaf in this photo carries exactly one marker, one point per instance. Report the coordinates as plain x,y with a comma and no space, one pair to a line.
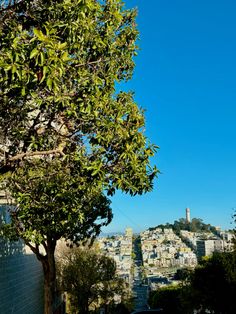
38,33
42,58
13,69
9,67
34,53
23,91
65,57
49,83
18,72
45,70
62,46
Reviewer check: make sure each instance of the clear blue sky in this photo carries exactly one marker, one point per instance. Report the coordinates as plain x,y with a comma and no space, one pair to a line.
185,78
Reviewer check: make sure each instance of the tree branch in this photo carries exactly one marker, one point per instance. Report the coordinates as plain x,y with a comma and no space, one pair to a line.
37,153
89,63
11,6
35,250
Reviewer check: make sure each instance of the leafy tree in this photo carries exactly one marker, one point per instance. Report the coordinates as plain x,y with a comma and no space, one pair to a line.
89,278
55,200
196,225
121,308
210,288
183,274
66,136
213,284
168,298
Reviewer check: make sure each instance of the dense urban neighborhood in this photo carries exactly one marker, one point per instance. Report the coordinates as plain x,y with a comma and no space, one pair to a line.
151,259
145,262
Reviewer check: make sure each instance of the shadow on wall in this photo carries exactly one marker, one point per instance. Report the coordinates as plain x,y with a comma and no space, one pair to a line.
8,248
21,277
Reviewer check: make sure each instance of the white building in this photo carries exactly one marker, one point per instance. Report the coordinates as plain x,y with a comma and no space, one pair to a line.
207,246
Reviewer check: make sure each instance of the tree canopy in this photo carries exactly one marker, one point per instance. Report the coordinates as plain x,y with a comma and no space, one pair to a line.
59,106
89,278
168,299
57,89
195,225
214,284
209,288
68,137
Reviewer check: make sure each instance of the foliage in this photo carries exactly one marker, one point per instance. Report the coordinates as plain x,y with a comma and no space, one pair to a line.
89,278
120,308
59,112
183,274
196,225
68,139
214,284
137,248
56,200
169,299
57,89
210,288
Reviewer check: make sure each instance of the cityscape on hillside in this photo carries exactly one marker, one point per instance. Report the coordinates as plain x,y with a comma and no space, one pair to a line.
117,157
146,262
151,259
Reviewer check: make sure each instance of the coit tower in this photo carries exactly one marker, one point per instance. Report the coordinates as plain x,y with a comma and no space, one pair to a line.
187,215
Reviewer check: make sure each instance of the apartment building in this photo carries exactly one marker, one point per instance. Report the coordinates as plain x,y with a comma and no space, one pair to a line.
208,246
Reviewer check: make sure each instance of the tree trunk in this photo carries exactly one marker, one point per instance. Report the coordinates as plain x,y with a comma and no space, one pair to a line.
83,305
86,308
49,270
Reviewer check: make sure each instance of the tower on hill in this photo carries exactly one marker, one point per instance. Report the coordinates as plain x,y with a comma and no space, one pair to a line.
187,215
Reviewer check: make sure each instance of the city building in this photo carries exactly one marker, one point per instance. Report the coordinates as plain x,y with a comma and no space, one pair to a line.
205,247
128,232
120,249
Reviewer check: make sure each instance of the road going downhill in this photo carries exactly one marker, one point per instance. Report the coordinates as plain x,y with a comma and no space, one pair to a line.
140,290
